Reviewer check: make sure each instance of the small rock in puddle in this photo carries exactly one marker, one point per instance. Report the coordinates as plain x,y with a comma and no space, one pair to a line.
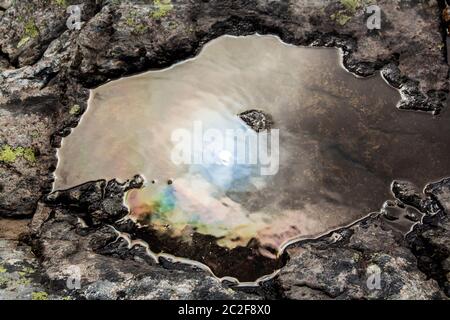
257,120
342,141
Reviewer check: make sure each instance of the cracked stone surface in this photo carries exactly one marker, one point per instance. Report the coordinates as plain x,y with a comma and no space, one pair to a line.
46,72
329,269
109,270
20,277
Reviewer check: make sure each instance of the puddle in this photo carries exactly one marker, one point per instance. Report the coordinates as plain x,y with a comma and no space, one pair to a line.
342,141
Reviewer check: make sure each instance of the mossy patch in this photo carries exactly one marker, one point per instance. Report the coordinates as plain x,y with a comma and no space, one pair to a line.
133,21
40,295
28,154
23,282
60,3
30,31
26,271
351,5
161,8
75,110
343,16
140,28
34,134
2,269
9,154
340,18
24,275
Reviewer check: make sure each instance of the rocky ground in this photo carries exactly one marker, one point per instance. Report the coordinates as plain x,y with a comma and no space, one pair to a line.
46,72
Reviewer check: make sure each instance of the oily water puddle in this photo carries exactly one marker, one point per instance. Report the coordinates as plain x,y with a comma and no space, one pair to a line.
341,143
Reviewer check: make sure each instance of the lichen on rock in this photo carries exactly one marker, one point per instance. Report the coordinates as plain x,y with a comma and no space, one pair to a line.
9,154
161,8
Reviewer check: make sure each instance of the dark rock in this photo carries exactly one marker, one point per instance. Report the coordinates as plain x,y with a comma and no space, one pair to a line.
430,241
257,120
97,201
441,192
41,215
109,269
86,197
356,267
407,193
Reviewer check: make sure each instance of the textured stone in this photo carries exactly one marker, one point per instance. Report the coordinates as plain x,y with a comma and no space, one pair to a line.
329,269
46,70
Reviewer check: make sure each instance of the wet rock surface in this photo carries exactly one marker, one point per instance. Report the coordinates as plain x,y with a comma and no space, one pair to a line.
108,269
430,241
46,72
352,263
349,263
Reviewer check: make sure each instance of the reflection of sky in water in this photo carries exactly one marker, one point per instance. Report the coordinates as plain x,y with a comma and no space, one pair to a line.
197,198
342,142
221,166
